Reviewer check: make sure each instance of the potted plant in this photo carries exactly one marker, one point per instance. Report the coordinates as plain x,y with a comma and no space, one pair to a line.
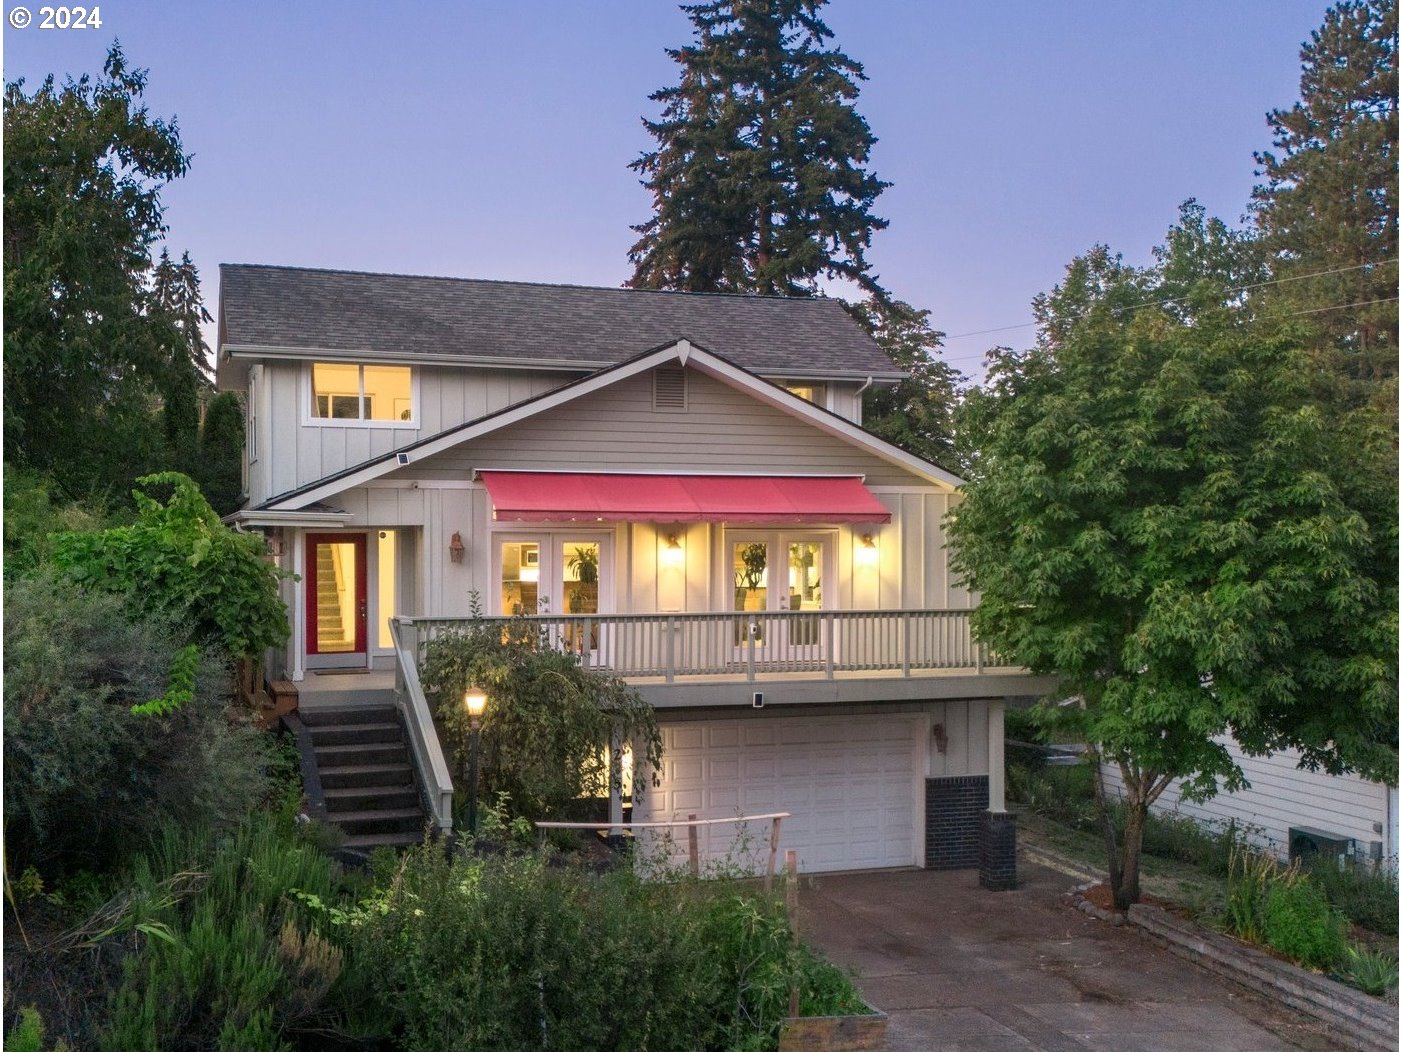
584,564
753,560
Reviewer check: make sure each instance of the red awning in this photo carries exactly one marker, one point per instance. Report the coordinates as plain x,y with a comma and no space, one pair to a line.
547,496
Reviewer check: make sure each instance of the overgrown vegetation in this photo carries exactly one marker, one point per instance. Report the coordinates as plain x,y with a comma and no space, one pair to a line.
511,951
87,780
549,726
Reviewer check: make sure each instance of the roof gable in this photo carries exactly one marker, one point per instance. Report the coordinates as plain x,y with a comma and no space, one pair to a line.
682,352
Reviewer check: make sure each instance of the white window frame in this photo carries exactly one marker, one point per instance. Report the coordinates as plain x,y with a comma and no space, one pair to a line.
310,419
551,543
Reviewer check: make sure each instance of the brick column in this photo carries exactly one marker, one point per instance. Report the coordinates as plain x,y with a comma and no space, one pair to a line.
997,851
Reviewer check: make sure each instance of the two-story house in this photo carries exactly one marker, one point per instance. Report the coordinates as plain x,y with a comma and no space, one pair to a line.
679,487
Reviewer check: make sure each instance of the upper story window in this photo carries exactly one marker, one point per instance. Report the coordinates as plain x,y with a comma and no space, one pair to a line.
815,393
381,395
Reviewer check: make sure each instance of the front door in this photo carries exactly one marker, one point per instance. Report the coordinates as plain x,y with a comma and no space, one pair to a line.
336,600
780,572
558,573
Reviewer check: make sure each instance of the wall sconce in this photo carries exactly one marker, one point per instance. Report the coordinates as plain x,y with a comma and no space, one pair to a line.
865,550
274,545
672,552
456,547
941,738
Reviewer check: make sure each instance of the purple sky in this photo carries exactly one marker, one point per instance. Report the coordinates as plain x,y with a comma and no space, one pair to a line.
491,139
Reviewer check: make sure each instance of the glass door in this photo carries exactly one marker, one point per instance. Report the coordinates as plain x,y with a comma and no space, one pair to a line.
549,574
336,600
777,572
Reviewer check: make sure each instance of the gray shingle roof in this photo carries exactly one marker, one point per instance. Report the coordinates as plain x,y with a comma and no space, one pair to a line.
388,314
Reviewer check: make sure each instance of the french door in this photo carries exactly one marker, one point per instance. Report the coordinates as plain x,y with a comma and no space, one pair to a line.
336,600
780,571
557,573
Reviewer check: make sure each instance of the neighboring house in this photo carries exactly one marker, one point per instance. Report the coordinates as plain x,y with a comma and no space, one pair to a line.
1293,811
679,487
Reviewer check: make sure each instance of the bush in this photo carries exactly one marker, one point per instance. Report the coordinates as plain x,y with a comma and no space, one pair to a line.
508,953
1366,893
1372,971
511,951
87,781
1062,794
1300,923
226,957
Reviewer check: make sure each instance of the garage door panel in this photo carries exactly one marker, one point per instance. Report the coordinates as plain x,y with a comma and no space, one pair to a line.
848,781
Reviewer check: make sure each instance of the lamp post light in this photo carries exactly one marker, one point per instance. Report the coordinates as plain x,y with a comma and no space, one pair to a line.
475,702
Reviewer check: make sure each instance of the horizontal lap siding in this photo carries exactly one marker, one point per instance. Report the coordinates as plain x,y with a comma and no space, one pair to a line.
617,429
1281,796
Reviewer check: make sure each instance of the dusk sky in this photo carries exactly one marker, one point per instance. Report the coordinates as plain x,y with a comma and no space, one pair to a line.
492,140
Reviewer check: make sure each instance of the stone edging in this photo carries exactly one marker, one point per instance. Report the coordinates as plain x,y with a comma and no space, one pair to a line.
1362,1022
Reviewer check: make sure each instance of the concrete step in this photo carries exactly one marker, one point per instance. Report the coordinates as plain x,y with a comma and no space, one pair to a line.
370,797
356,734
360,776
329,757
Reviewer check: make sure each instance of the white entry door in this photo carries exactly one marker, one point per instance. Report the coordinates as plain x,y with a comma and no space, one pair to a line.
557,573
849,781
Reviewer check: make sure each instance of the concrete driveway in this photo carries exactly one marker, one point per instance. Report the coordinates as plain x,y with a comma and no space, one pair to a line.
959,968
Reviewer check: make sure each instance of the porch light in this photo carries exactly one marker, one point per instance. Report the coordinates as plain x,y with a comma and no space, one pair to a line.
866,552
456,547
475,702
672,552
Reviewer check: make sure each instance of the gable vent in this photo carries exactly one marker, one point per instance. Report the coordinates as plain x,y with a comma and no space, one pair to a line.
669,389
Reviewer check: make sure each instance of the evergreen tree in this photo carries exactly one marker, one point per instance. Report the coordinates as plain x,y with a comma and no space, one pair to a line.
918,413
1329,199
219,471
179,309
758,179
92,352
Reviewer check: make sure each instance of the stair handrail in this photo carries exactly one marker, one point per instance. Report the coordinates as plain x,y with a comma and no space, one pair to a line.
428,755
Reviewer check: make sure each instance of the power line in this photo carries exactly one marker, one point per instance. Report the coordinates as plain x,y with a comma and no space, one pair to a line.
1175,299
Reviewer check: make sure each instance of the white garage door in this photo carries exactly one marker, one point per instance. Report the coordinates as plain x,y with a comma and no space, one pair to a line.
848,781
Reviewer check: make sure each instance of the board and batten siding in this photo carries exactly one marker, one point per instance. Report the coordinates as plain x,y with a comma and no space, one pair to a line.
294,453
1282,796
617,429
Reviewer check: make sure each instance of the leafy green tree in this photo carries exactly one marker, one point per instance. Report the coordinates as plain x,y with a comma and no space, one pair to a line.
97,336
759,178
1328,203
1162,515
918,413
549,723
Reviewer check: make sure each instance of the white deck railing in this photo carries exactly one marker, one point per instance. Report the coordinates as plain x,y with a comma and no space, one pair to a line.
747,644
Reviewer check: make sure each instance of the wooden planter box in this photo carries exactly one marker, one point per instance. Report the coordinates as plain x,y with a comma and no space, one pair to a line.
833,1033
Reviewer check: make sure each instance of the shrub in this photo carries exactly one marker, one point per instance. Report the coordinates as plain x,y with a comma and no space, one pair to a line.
508,953
548,723
1300,923
179,561
87,781
1366,893
27,1035
228,958
1062,794
512,951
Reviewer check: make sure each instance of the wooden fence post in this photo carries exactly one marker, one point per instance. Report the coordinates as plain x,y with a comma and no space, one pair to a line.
773,853
791,906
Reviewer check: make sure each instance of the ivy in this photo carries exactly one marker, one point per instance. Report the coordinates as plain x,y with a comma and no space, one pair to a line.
184,666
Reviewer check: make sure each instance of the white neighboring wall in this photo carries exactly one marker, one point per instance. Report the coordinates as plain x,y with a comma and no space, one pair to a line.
1282,796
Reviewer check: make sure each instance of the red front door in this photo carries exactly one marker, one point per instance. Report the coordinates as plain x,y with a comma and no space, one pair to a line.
336,596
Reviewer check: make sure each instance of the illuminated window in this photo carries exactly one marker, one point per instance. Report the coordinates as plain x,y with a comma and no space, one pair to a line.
369,393
815,393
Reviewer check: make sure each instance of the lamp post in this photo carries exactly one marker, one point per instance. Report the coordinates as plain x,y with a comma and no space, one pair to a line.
475,702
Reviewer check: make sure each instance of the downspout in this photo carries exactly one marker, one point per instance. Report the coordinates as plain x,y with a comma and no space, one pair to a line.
862,390
857,401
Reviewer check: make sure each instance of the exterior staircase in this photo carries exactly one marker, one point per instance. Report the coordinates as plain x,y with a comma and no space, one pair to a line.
367,776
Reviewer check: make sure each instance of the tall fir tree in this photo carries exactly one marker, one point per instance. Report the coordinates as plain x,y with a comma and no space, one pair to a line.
759,178
1327,209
